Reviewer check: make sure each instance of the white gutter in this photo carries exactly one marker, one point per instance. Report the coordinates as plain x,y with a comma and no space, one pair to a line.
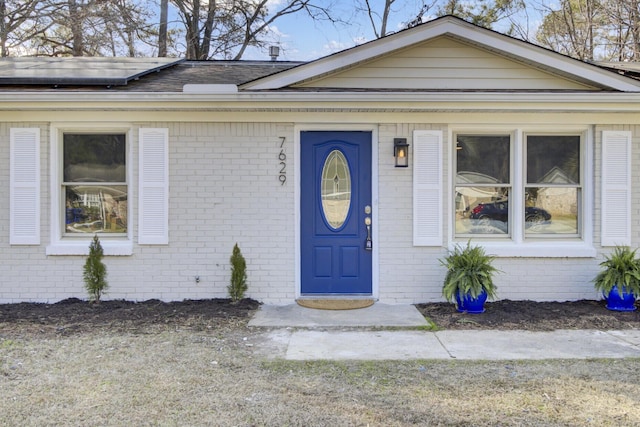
9,100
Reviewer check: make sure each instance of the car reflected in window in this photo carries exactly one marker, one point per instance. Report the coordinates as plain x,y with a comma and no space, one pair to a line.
499,211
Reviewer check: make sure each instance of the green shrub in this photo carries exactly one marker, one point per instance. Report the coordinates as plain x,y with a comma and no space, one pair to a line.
238,285
95,272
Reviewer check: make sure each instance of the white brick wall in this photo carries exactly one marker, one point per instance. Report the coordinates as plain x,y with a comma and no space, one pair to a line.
224,189
408,274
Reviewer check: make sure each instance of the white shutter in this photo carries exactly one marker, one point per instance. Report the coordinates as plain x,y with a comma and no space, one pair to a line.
153,204
616,188
24,198
427,188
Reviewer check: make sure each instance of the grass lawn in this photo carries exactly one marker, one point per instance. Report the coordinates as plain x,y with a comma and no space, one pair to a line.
180,377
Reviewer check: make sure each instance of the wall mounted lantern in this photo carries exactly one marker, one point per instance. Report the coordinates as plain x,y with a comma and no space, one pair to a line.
401,152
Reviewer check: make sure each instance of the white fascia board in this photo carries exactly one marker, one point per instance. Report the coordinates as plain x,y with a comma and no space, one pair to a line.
168,101
456,28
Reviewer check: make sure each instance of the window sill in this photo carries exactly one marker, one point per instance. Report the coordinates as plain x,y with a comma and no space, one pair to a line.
81,247
550,249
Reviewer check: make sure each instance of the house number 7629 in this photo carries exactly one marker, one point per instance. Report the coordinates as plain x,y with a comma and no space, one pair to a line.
282,157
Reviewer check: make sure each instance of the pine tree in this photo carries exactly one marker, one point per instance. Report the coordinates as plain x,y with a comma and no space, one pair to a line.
95,272
238,285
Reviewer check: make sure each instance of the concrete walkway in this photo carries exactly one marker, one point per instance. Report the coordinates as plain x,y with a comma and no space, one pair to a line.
377,315
298,333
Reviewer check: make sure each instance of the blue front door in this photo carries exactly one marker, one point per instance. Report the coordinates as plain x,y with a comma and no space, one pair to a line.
336,238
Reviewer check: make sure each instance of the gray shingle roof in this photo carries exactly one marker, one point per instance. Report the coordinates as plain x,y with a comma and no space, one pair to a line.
171,76
206,72
160,75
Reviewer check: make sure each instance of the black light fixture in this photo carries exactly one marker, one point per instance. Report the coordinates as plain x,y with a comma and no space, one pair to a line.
401,152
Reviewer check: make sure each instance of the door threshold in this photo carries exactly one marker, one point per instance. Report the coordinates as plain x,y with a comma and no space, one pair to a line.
336,302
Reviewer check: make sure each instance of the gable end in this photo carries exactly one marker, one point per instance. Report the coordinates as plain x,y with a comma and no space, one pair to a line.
446,63
559,71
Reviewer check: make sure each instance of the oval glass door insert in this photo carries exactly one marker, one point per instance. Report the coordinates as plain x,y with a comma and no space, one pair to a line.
336,189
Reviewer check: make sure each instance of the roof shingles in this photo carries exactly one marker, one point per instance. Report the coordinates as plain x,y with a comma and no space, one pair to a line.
169,79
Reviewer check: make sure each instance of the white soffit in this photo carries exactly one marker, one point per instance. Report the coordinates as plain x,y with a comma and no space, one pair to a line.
536,56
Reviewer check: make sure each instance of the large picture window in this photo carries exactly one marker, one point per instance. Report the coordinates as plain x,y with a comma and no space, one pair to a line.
518,186
94,183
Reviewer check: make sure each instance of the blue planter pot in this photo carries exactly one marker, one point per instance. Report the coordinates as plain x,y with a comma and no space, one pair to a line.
615,302
467,304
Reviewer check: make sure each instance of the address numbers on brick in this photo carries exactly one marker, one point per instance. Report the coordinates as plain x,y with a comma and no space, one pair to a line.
282,157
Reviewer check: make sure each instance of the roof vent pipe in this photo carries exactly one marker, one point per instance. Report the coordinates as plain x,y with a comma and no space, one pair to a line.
274,52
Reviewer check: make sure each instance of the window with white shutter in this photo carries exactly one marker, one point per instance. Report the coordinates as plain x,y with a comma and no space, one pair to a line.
90,172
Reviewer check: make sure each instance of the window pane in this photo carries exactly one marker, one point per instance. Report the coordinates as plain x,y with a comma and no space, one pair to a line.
336,189
483,159
553,159
551,210
96,208
94,158
482,210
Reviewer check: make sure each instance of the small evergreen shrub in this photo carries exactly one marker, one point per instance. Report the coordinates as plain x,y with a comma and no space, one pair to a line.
95,272
238,285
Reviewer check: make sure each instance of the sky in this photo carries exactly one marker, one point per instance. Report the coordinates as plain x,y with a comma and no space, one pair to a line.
302,39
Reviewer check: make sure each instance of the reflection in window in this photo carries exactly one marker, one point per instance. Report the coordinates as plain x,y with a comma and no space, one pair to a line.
550,168
336,189
483,185
94,183
553,183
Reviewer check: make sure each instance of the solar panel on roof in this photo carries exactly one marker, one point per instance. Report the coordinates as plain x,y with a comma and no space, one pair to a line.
79,70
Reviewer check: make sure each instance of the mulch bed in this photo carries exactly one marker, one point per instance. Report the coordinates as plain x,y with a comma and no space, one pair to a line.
76,316
532,316
73,316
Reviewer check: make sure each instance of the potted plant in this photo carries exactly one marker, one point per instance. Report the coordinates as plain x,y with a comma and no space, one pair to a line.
469,279
619,279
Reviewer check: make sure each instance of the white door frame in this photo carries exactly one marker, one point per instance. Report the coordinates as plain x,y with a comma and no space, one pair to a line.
375,273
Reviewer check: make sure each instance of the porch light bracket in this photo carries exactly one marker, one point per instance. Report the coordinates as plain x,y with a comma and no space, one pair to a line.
401,152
